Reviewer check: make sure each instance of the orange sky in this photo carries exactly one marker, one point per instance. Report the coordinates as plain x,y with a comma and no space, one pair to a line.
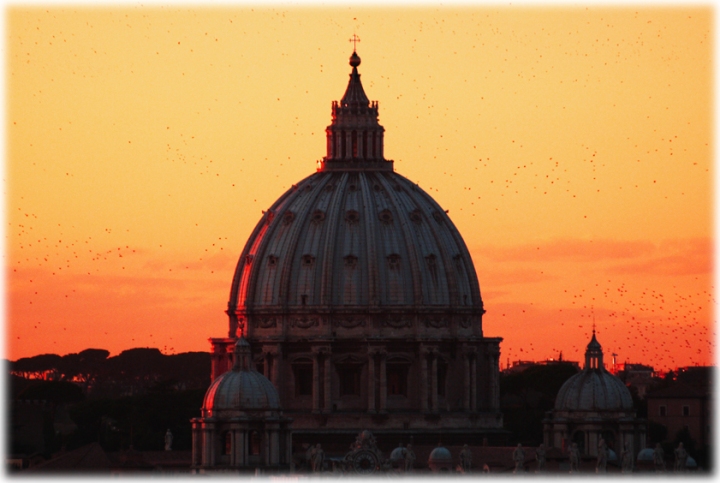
571,146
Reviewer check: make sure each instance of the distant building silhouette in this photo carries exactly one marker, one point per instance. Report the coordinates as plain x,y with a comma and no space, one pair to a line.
591,404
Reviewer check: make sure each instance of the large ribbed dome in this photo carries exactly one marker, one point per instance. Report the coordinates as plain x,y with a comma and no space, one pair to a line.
594,388
355,236
362,238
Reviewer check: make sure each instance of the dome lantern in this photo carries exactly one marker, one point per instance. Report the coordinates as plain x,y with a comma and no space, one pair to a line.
594,354
355,137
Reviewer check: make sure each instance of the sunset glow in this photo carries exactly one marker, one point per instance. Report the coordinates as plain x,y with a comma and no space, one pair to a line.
571,146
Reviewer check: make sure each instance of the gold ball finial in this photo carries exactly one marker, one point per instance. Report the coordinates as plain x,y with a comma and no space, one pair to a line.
354,59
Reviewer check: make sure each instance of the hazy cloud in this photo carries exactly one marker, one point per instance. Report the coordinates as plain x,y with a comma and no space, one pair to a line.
573,249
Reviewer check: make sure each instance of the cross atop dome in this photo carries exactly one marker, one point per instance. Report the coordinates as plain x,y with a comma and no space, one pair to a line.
355,39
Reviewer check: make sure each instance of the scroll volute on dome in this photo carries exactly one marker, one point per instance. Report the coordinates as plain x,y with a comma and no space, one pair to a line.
355,137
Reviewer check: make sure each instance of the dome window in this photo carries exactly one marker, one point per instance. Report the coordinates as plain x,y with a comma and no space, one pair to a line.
431,260
416,216
393,261
308,260
318,216
377,187
386,217
352,187
309,187
288,217
438,217
352,217
272,260
351,261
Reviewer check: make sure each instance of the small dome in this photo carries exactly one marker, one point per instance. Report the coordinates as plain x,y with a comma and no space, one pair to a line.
646,455
398,453
242,388
440,455
593,390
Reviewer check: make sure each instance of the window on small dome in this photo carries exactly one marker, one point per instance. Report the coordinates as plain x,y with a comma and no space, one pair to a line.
288,217
272,260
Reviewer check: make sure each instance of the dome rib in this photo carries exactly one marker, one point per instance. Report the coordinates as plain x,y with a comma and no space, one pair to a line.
301,226
328,276
403,219
370,240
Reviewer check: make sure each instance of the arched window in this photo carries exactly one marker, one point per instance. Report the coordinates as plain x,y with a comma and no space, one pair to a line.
255,441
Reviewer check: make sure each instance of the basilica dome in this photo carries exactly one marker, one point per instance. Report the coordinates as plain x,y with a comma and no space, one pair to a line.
594,388
361,302
353,236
